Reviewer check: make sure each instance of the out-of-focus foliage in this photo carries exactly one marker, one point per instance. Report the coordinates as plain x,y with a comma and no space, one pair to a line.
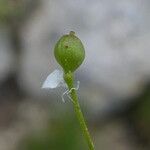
62,133
141,115
15,9
9,9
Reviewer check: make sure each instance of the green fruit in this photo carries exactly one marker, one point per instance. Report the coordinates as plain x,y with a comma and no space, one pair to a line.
69,52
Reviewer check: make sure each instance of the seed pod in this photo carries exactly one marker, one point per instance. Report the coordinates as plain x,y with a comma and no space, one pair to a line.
69,52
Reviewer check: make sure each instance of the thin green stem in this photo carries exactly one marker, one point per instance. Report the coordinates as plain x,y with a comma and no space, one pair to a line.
70,82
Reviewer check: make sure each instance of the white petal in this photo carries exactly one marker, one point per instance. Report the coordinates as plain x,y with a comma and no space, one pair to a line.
55,79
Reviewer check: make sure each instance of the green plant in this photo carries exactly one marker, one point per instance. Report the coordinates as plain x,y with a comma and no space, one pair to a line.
69,53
